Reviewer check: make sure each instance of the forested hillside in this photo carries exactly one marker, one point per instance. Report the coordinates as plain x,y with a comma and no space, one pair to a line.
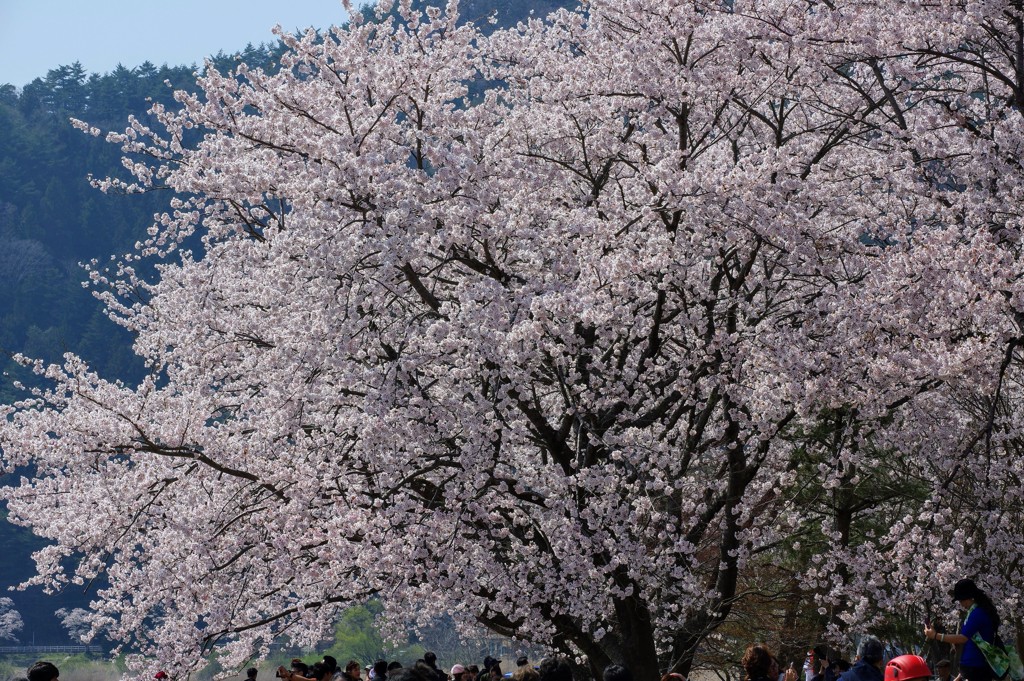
52,220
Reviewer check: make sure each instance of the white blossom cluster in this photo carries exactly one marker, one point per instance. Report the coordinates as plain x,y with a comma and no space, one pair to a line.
10,620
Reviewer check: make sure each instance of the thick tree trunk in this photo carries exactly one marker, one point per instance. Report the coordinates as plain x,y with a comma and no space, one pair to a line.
636,635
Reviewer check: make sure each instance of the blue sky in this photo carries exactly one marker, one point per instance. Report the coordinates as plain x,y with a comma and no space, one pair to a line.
38,35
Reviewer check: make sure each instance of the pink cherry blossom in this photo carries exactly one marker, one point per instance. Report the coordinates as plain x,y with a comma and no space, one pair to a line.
565,332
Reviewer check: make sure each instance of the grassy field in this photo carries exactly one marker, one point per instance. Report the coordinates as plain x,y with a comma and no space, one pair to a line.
72,667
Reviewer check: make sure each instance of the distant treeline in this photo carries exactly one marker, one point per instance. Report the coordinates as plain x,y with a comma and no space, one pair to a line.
51,219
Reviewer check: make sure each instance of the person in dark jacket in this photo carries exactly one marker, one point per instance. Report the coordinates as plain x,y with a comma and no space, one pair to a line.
869,665
430,660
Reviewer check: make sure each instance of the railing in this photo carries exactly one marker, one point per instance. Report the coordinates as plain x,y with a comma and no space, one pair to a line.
24,650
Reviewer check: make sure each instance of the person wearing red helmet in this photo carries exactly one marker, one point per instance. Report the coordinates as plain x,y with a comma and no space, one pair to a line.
907,668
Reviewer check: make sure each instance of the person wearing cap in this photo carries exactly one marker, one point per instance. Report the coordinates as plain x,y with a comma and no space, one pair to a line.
485,673
982,620
943,670
458,673
870,654
907,668
491,670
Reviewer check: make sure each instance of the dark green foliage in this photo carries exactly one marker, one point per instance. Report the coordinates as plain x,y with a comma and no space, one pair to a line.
51,219
506,13
510,13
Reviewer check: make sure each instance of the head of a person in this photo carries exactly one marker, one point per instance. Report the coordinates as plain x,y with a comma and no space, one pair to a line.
43,671
418,672
757,661
251,672
331,662
616,672
380,669
843,665
821,658
393,666
966,592
352,669
907,668
673,676
522,661
430,658
525,673
425,671
300,667
320,671
555,668
943,669
871,651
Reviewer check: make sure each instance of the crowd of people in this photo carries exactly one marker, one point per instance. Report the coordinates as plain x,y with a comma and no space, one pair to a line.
980,631
426,669
555,668
978,635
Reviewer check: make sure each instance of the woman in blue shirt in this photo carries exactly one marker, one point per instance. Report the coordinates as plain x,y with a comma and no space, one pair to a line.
982,619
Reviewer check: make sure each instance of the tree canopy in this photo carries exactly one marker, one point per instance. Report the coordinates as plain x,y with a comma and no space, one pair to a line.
575,359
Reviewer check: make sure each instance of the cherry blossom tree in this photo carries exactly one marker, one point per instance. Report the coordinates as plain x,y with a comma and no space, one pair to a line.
10,620
562,331
77,623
